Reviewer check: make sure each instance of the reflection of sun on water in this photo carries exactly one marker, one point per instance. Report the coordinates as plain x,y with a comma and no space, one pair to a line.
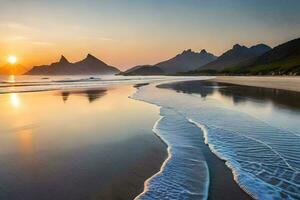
15,100
25,141
11,79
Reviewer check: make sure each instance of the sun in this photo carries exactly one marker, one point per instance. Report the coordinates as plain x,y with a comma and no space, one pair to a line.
12,59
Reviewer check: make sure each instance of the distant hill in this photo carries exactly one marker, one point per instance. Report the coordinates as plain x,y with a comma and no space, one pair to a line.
12,69
88,66
143,70
235,56
183,62
282,59
186,61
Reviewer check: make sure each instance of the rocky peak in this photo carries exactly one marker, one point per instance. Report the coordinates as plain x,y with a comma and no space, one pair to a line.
63,59
188,51
89,56
237,46
203,51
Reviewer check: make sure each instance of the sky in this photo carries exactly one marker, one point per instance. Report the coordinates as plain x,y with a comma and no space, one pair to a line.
124,33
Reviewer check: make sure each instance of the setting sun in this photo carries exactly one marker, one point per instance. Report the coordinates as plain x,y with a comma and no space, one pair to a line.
12,59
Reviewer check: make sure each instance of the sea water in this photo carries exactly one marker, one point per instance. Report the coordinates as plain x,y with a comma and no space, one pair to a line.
262,151
14,84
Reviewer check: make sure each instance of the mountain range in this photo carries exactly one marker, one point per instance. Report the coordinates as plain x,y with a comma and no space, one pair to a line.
88,66
259,59
186,61
282,59
235,56
239,60
143,70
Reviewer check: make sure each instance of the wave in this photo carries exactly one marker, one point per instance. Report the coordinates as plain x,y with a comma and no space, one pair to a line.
184,174
78,80
264,159
35,84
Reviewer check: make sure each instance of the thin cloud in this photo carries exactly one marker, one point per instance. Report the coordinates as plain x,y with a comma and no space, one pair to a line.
41,43
17,38
17,26
97,38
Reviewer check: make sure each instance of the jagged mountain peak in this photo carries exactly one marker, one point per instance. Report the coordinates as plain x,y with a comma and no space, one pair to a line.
186,52
203,51
236,55
186,61
238,46
63,59
88,66
90,56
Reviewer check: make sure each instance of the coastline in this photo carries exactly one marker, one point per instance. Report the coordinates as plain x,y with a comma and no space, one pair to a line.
220,172
156,154
282,83
238,97
221,184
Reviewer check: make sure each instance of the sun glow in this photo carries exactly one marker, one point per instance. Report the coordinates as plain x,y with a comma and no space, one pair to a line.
11,79
14,100
12,59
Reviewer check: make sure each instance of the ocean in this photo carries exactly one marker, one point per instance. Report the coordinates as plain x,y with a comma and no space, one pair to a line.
255,130
102,137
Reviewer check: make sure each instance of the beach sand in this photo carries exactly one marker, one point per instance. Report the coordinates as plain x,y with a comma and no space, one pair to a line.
284,82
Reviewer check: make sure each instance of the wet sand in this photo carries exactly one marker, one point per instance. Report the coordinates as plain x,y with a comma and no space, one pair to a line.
274,106
77,144
284,82
222,184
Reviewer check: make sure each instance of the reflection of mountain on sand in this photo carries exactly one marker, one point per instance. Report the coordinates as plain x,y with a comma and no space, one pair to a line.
92,95
238,93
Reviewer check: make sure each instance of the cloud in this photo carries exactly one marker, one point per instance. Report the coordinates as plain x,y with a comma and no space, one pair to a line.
102,38
17,38
97,38
17,26
42,43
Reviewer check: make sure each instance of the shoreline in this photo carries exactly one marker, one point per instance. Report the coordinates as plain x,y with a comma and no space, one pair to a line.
141,171
281,83
228,171
222,183
238,94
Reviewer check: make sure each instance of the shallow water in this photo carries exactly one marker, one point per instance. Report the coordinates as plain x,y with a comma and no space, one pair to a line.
9,84
255,130
76,144
185,165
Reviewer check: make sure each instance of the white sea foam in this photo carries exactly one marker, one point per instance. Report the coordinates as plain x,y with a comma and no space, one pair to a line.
265,159
184,174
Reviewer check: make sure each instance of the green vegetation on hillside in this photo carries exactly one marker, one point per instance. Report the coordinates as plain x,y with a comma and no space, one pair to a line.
289,66
281,60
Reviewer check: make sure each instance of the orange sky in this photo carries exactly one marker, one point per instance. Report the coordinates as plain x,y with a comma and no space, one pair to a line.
122,54
124,34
